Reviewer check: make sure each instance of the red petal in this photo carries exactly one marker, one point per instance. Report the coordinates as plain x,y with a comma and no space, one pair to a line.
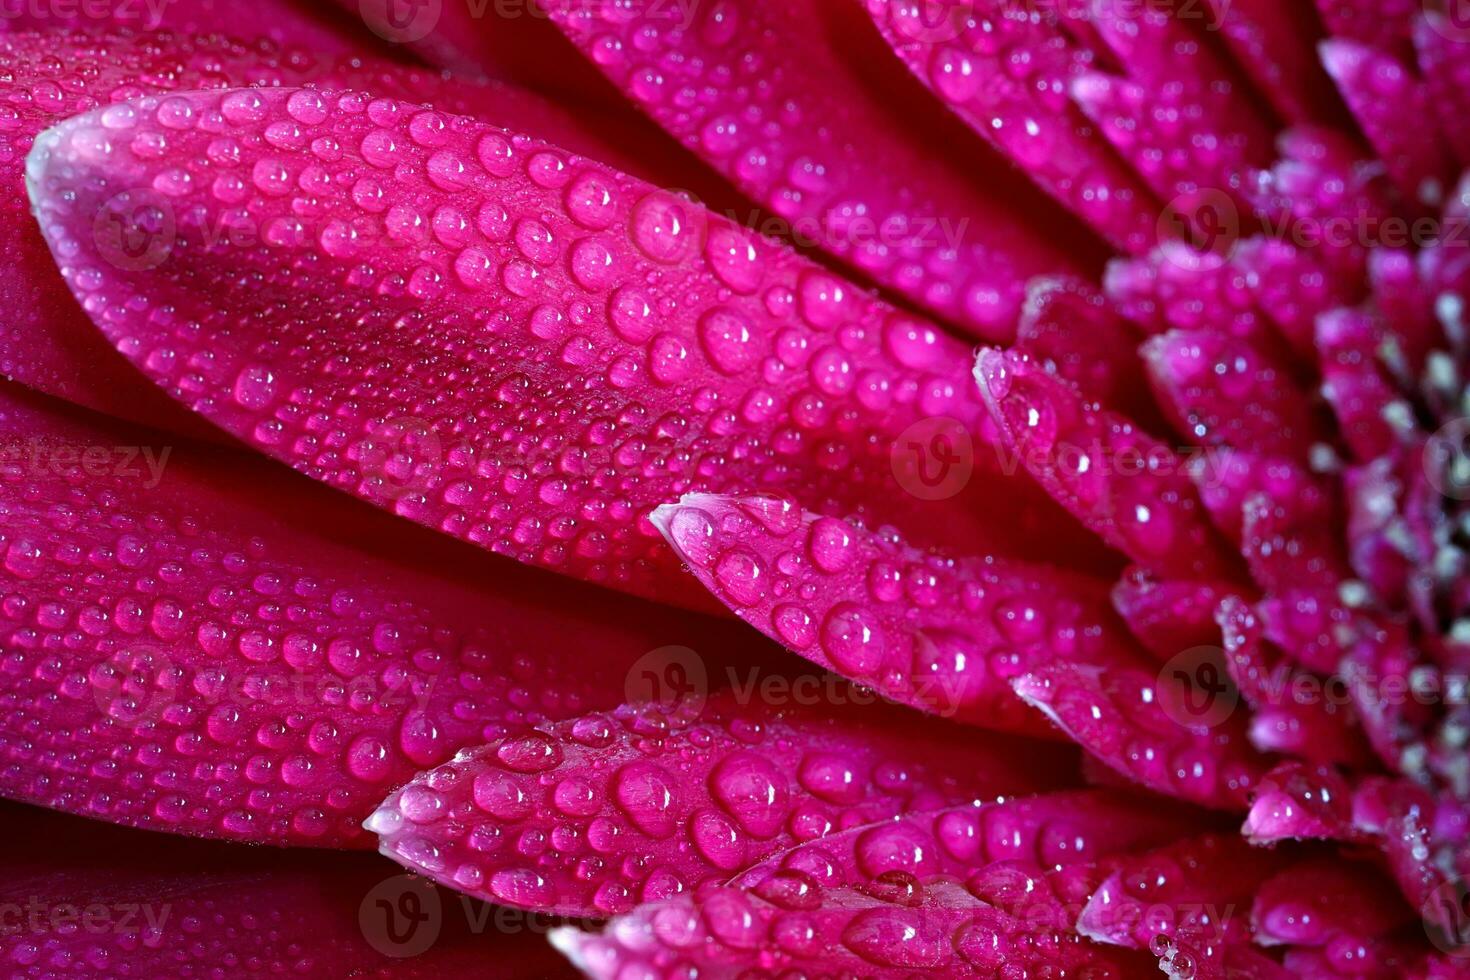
946,636
1005,72
803,107
593,816
1126,486
1136,724
200,643
49,344
87,900
491,337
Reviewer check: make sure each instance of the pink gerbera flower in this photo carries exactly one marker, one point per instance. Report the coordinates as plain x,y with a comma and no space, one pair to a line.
993,474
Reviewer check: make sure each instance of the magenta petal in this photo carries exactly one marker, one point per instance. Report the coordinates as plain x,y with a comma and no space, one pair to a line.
940,929
1003,71
1392,106
803,107
943,635
1312,904
488,335
593,816
1135,723
198,642
1222,391
1191,887
48,343
1126,486
85,900
298,32
969,891
1273,41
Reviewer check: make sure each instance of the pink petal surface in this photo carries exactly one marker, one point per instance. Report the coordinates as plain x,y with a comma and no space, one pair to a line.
1123,484
1141,726
959,892
538,348
1316,903
946,636
1005,72
200,643
296,31
942,930
803,107
593,816
1273,42
48,343
83,900
1391,105
1197,886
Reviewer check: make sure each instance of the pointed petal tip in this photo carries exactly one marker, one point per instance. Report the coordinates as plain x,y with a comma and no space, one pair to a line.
571,942
1097,921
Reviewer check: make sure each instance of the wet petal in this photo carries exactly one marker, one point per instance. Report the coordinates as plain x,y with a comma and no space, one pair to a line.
1171,734
48,343
1123,484
804,108
946,636
1005,72
593,816
493,337
199,643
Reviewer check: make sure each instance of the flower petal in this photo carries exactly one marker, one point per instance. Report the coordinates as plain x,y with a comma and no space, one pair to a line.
1126,486
1003,71
495,338
48,343
1392,106
1312,904
803,107
89,900
945,636
200,643
967,891
590,817
298,32
1135,723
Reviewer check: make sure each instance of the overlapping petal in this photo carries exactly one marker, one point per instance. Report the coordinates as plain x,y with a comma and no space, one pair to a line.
594,816
198,643
542,348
